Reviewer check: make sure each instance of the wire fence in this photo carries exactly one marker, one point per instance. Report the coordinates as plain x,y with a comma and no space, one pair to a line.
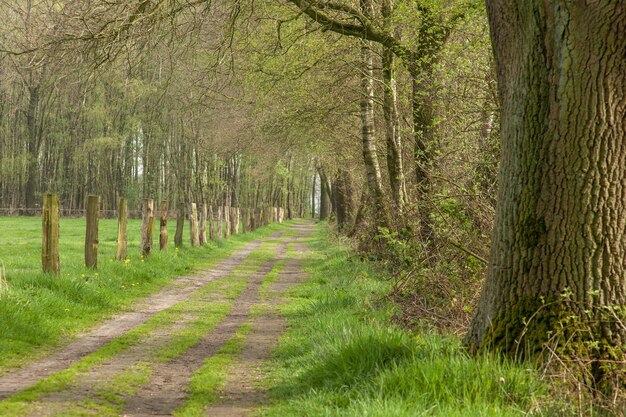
65,212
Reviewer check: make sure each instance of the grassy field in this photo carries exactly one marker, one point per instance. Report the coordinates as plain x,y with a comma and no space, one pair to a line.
38,311
342,357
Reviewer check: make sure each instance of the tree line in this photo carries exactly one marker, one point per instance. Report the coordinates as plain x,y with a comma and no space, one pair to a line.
392,118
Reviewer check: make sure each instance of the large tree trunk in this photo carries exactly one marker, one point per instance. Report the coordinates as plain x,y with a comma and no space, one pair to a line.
559,225
343,199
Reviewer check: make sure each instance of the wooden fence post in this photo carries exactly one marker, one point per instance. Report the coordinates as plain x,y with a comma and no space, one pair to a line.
50,238
163,226
226,222
147,226
237,215
244,225
91,232
180,225
122,224
211,224
220,223
203,215
193,225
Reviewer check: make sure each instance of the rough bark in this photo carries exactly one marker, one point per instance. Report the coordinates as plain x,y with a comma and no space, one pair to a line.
562,201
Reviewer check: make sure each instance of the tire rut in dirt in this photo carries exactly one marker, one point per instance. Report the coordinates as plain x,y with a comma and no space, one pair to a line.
165,391
242,394
178,290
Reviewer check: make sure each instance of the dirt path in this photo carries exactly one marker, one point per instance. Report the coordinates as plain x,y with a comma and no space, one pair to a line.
177,291
242,393
166,382
165,391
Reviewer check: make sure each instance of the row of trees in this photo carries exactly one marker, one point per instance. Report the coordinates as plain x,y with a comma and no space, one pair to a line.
390,112
132,127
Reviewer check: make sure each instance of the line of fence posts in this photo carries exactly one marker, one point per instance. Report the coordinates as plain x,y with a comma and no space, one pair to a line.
228,222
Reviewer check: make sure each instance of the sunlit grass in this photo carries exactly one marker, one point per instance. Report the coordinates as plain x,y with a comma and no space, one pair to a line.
343,357
39,311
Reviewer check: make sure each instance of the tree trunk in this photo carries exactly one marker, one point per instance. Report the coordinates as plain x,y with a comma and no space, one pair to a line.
203,221
368,136
392,132
392,121
343,199
559,225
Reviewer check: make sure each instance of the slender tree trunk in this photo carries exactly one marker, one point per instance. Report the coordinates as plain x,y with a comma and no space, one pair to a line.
343,199
368,135
395,166
559,225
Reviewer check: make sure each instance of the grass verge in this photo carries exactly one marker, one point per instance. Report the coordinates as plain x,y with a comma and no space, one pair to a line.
342,357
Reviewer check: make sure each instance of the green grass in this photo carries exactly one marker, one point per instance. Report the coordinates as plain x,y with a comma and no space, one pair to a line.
39,311
342,357
211,376
111,395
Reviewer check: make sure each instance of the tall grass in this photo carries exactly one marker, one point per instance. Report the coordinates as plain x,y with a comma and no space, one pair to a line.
342,357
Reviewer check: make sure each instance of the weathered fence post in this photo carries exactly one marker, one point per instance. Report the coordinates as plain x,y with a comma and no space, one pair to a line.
236,220
211,225
226,222
122,224
50,238
180,225
163,226
203,215
91,231
147,226
193,225
220,223
244,224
